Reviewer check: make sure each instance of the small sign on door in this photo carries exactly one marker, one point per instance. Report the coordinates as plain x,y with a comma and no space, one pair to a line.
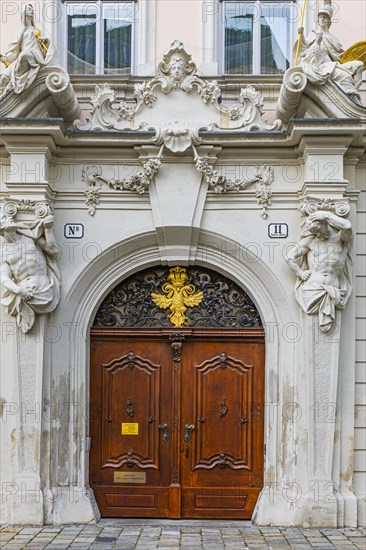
278,230
74,230
129,477
130,428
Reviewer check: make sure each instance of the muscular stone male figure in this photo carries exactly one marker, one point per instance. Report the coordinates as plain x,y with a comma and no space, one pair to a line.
28,269
322,263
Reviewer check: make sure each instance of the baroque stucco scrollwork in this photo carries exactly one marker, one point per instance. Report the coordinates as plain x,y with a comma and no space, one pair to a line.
176,73
322,261
219,183
138,183
29,272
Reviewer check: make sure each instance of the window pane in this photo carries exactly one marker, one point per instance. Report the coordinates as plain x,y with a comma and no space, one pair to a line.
81,38
275,37
239,18
118,19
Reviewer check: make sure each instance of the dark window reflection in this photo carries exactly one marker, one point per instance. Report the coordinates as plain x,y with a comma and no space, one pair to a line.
81,43
238,38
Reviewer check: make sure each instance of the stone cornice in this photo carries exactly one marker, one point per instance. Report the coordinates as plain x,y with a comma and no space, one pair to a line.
268,85
271,143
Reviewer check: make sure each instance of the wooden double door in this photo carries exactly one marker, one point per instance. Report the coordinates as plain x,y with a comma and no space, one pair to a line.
176,422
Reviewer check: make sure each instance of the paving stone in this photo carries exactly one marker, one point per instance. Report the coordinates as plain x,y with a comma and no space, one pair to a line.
168,535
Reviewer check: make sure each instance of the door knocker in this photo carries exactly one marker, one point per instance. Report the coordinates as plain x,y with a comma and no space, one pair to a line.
224,408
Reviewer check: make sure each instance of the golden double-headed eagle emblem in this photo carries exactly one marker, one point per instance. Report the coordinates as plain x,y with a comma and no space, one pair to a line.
178,297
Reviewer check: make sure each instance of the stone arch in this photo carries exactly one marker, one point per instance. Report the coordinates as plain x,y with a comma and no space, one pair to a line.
135,254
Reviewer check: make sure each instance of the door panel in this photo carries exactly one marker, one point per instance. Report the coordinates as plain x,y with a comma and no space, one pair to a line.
123,377
130,456
176,423
222,396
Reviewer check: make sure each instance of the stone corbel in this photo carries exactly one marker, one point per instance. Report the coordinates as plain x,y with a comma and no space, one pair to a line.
63,94
293,86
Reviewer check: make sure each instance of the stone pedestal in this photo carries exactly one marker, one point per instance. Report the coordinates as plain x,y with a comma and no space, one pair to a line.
24,494
322,359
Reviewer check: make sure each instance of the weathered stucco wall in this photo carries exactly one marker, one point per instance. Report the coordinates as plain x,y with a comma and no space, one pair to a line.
45,374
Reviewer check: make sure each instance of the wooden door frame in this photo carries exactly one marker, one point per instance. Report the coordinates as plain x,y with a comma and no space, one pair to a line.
253,335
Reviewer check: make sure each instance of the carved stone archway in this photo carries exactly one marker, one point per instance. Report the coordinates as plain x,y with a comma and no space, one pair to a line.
81,304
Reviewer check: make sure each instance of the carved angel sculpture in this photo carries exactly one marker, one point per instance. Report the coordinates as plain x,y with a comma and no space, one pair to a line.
323,264
25,57
29,273
320,56
178,297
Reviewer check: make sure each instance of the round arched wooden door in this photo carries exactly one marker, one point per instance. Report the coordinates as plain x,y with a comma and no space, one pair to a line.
177,397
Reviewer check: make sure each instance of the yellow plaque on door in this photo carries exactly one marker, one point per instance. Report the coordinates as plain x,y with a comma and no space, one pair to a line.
130,428
129,477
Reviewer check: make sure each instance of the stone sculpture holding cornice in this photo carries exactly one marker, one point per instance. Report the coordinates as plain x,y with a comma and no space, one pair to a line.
28,268
320,56
25,57
322,264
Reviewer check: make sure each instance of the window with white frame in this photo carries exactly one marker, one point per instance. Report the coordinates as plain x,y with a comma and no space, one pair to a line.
99,37
257,36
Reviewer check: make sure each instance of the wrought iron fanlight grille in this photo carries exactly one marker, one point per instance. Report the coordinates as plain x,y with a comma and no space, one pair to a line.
224,303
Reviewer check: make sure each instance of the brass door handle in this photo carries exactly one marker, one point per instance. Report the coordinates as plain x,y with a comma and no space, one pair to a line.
165,429
187,429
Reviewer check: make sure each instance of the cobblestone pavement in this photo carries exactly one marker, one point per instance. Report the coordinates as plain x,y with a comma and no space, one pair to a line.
174,535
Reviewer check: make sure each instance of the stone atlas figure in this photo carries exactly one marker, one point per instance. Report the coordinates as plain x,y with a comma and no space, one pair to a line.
322,264
25,57
28,269
320,55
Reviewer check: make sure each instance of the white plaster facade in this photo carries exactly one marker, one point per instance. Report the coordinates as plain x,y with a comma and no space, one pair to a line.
319,155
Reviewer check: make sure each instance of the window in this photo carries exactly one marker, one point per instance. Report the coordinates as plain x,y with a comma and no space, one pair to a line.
99,37
258,36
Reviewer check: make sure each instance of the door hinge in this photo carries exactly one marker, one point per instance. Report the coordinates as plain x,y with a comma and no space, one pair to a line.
87,444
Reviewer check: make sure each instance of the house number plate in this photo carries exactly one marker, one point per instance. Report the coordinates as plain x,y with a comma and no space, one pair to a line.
129,477
130,428
278,230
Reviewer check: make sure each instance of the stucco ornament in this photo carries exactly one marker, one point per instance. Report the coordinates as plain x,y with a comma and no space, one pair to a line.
219,183
28,267
138,183
322,263
25,56
175,73
177,137
320,55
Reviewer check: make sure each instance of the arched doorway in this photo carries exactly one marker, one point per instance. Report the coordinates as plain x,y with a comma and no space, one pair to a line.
177,397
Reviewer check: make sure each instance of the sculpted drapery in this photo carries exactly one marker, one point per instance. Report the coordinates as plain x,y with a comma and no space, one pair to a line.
29,273
320,56
25,56
322,263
